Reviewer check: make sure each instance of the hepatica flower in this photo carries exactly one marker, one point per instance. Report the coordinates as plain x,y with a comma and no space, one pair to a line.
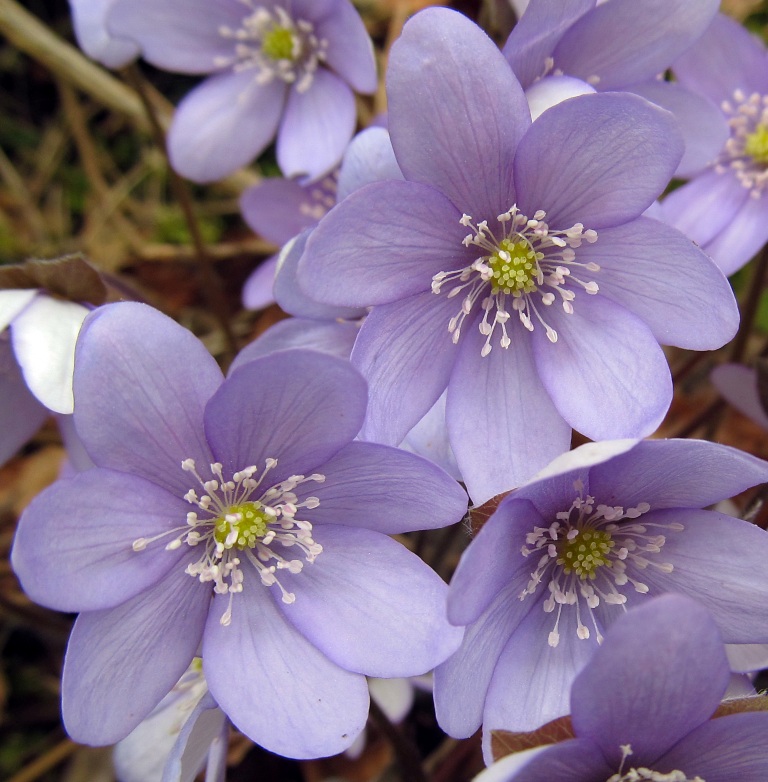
641,709
239,518
512,265
724,208
603,528
279,66
89,19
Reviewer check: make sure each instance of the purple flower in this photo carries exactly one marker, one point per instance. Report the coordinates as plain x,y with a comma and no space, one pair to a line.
738,385
240,518
279,67
641,709
513,266
89,19
562,48
564,556
724,208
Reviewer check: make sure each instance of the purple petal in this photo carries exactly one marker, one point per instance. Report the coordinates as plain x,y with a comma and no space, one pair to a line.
492,561
21,415
747,658
371,605
297,406
703,207
702,123
737,384
279,209
332,337
702,314
350,51
724,578
606,373
534,37
723,750
743,237
550,91
625,42
223,124
676,474
89,18
508,384
316,127
73,548
258,289
121,662
141,383
369,158
382,243
293,701
597,159
726,57
178,35
623,697
387,490
405,353
462,681
449,128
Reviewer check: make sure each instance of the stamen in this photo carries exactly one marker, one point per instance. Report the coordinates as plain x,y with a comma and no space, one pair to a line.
525,261
745,153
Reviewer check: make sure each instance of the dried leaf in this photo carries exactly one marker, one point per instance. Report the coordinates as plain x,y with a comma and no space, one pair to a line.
505,742
478,516
70,277
742,705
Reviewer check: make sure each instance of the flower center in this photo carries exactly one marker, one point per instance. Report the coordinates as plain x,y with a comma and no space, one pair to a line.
527,261
276,46
588,554
746,152
642,773
235,524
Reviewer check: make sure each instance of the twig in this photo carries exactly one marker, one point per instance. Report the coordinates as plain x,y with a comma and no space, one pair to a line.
57,754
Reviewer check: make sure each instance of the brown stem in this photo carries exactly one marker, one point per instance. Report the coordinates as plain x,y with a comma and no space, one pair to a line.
408,757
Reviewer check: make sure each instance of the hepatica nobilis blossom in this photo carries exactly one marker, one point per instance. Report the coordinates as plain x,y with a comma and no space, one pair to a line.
512,265
237,517
641,709
279,66
724,208
603,528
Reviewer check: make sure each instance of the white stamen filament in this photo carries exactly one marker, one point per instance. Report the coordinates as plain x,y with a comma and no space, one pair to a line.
643,774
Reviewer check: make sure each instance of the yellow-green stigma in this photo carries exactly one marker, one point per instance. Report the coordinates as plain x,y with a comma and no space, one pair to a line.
279,44
513,267
247,520
756,144
585,552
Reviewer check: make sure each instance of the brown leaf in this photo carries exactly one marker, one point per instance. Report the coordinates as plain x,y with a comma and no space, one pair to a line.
70,277
742,705
478,516
504,742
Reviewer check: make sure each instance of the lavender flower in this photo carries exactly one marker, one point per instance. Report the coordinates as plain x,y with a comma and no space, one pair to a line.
279,67
738,385
724,208
641,709
513,266
89,19
562,557
238,517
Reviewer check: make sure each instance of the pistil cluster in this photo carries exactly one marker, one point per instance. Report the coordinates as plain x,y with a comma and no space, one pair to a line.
643,774
526,261
234,525
588,554
746,151
276,46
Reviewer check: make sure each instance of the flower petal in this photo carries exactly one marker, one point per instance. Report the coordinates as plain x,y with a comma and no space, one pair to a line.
279,209
258,289
625,42
737,384
382,243
449,128
387,490
297,406
371,605
89,20
44,337
293,700
622,697
429,438
73,548
141,383
223,124
12,302
121,662
178,35
550,91
635,259
596,159
369,158
606,373
316,127
514,407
